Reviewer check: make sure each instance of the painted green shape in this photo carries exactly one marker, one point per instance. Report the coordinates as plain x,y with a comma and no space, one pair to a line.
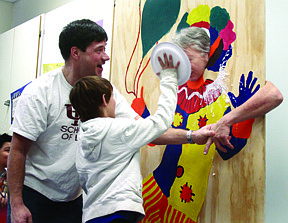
157,19
219,18
183,23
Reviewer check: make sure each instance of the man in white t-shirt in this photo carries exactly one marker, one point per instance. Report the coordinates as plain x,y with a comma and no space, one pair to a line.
45,131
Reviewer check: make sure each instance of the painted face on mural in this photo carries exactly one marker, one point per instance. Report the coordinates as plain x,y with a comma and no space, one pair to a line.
94,58
198,62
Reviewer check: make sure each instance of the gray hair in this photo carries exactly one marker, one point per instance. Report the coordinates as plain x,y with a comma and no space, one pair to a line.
193,36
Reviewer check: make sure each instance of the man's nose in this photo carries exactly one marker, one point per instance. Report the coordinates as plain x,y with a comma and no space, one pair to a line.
105,56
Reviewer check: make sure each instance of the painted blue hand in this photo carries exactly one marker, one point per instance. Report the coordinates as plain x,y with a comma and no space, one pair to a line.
245,91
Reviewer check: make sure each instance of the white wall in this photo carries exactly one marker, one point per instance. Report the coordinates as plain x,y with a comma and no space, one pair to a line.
276,199
6,55
18,63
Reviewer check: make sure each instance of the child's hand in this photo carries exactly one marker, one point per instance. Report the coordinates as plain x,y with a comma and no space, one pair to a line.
167,64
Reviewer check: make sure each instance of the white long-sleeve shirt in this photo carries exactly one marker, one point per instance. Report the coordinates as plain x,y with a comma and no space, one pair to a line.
108,161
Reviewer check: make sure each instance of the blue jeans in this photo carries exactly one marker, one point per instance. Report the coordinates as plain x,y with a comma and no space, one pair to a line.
44,210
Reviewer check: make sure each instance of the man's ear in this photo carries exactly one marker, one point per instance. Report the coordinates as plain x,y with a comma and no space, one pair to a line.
105,104
75,52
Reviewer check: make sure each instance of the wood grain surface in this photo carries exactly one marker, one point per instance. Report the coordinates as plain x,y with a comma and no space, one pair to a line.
236,187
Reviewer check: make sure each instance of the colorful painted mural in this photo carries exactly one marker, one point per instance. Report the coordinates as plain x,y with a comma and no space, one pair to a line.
232,190
175,191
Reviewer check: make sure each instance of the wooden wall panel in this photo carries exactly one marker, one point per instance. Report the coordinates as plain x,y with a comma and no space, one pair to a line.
236,187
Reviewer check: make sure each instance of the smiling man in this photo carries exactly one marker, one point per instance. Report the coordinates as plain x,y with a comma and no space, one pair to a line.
43,181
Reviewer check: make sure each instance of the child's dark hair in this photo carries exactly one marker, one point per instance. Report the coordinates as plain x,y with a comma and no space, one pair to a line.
80,33
87,96
5,138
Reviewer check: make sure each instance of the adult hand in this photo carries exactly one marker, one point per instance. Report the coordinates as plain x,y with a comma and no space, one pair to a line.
201,136
21,214
220,138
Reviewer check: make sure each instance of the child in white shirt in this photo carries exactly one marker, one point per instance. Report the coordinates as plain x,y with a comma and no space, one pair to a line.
108,161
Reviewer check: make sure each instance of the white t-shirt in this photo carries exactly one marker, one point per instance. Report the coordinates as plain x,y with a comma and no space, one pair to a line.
44,115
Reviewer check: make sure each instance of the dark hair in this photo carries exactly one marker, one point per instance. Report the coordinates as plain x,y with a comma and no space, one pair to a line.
80,33
86,96
4,138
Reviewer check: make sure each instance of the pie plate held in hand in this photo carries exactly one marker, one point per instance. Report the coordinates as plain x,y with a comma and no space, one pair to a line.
184,69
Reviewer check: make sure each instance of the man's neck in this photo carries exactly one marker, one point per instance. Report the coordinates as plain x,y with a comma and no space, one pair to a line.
70,74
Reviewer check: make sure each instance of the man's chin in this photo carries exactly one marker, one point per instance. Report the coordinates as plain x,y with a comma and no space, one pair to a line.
99,73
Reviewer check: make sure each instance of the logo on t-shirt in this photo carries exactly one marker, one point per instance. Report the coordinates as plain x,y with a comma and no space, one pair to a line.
70,132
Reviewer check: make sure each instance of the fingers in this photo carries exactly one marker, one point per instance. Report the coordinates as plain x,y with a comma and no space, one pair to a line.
257,88
207,146
168,62
220,147
166,59
227,143
249,79
171,63
253,83
210,133
177,65
161,62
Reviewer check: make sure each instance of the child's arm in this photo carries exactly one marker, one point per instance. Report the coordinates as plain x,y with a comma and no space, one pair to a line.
144,131
179,136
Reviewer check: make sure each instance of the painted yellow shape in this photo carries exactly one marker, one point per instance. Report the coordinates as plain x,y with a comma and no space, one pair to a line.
51,66
198,14
178,119
196,165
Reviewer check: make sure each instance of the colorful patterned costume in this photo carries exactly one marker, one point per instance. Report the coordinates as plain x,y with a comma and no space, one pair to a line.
176,190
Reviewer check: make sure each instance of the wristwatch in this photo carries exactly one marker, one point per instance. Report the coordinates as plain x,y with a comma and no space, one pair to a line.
189,136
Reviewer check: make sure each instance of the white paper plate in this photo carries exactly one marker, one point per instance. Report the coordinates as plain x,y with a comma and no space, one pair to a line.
184,69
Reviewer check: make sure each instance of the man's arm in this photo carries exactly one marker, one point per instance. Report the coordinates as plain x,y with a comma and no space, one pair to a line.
266,99
15,177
